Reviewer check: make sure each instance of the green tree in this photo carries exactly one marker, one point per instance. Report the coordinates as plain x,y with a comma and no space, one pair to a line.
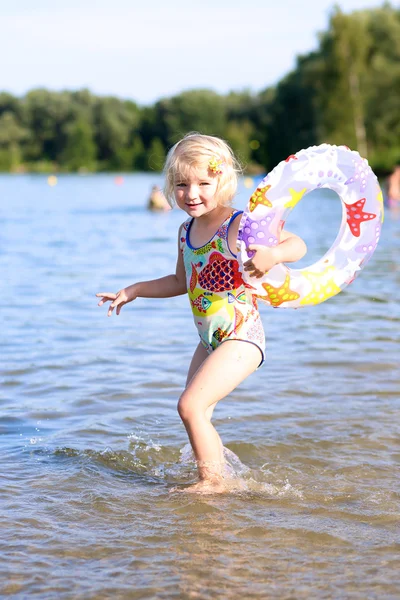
238,134
156,155
115,122
383,106
345,49
11,104
197,110
140,160
46,115
11,136
286,118
80,149
346,91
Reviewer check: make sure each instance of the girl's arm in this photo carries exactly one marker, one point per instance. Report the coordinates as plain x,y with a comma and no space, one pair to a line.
290,249
164,287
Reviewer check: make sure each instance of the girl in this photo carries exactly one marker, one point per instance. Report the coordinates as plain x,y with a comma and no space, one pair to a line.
201,177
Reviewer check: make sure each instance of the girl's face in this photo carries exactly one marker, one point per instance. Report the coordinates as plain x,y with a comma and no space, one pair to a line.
196,192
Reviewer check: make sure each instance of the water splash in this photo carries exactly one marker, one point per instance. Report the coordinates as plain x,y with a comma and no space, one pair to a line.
241,479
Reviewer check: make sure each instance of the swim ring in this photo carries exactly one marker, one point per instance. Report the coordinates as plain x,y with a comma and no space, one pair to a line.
334,167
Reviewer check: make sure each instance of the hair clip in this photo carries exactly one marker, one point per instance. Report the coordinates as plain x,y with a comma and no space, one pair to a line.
216,166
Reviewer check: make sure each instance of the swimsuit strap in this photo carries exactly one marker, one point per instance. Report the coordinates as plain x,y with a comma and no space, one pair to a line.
221,231
233,215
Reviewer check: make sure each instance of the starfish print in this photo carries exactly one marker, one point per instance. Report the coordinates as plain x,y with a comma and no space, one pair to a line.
258,232
291,156
278,295
296,197
355,216
259,197
370,246
361,173
323,286
351,270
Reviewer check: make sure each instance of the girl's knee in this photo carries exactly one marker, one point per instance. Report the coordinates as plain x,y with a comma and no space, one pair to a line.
187,407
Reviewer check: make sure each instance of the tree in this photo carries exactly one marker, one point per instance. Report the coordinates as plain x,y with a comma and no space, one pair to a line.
383,106
80,149
11,136
344,92
114,123
287,118
140,160
156,155
345,50
198,110
46,115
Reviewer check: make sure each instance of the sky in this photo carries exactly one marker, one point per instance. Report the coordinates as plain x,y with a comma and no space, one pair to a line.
147,50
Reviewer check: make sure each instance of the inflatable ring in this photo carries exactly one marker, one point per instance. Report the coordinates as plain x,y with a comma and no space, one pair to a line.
346,173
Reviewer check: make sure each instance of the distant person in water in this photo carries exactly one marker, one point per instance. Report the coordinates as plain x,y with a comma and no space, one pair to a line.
157,200
393,188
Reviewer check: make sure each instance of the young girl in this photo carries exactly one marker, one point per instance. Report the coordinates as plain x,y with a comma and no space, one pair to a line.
201,177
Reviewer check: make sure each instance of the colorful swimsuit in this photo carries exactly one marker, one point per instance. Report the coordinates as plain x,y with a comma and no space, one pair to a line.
223,309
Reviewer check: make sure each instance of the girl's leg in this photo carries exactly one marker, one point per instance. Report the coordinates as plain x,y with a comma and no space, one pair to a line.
199,356
219,374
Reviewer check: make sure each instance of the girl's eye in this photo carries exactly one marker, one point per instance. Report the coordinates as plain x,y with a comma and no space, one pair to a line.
205,183
180,184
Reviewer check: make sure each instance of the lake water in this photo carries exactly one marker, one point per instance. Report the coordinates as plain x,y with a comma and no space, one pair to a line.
91,443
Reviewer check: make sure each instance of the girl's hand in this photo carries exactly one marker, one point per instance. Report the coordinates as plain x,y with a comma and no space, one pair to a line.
119,299
263,260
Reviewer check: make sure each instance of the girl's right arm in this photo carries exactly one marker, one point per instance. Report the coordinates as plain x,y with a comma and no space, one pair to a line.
164,287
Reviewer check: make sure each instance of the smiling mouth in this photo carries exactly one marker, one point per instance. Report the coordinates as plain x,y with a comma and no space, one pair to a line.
198,204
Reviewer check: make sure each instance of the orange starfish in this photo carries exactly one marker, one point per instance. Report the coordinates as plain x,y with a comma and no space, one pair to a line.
279,295
259,197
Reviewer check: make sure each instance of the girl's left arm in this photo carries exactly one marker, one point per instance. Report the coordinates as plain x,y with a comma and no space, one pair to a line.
290,249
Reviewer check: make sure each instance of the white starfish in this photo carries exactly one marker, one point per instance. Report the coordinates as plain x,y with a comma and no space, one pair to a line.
352,266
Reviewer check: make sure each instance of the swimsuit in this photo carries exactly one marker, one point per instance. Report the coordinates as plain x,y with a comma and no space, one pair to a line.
223,308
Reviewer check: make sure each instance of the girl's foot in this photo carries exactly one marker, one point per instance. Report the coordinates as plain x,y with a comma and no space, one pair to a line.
204,486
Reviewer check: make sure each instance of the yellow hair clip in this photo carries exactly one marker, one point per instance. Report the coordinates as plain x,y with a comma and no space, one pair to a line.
216,166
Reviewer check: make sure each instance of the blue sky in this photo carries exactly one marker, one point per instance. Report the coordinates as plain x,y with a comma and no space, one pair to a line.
148,50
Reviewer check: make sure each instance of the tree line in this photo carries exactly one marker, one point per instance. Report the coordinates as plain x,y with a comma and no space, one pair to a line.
346,91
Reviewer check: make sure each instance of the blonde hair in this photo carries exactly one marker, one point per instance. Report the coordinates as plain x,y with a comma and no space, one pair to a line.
195,151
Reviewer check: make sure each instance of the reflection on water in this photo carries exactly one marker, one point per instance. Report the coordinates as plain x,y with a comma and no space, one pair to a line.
91,443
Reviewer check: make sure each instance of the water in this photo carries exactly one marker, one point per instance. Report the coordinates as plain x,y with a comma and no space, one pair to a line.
91,442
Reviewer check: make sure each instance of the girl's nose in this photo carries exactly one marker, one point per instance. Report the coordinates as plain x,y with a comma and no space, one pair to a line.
192,192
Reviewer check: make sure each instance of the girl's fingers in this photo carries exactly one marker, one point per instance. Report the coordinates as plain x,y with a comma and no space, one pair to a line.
109,295
255,273
105,297
112,306
117,300
118,303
